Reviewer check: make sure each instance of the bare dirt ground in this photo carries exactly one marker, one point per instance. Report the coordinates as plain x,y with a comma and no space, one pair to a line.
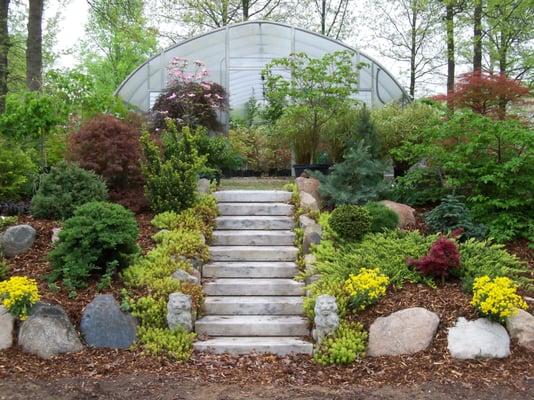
154,387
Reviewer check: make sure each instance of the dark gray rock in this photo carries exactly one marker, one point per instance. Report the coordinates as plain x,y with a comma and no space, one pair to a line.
312,235
17,240
48,332
105,325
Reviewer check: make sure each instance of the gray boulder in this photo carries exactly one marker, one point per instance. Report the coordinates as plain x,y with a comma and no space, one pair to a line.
48,332
305,221
405,213
183,276
17,240
104,325
403,332
7,322
179,312
308,203
203,186
312,235
309,185
326,319
521,327
480,338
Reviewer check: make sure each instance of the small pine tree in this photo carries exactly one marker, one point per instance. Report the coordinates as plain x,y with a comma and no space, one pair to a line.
365,130
356,180
171,172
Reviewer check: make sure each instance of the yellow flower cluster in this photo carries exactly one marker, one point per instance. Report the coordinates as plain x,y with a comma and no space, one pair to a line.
496,299
18,294
366,287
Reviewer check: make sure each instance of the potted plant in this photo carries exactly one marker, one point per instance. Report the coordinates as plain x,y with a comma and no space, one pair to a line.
303,95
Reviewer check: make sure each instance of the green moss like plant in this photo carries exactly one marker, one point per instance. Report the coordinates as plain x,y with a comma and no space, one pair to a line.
345,346
350,222
174,343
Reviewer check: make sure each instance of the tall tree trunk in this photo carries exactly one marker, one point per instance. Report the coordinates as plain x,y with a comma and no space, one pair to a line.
245,5
413,51
451,62
323,17
34,46
4,49
477,36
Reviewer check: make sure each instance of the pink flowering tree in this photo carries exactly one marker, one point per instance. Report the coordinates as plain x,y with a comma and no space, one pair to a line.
190,99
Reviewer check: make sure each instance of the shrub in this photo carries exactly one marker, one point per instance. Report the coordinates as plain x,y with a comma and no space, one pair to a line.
346,345
382,218
66,187
453,216
419,186
16,170
365,288
150,311
442,258
171,173
99,239
480,258
219,152
110,148
174,343
5,222
496,299
350,222
4,269
356,180
18,295
182,243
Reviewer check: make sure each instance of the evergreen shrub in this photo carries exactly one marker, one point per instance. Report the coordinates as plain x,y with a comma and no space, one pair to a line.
382,218
350,222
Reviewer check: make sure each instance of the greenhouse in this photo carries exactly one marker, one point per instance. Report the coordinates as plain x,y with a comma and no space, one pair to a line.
235,56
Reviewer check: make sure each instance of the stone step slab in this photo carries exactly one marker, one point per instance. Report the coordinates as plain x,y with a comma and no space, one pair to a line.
253,305
253,287
253,238
253,253
256,222
252,196
251,269
273,209
281,346
252,325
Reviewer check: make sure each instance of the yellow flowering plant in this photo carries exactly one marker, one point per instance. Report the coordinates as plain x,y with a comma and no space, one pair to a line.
18,294
496,298
365,288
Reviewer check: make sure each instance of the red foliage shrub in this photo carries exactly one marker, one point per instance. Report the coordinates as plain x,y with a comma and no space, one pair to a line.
442,257
190,103
485,93
132,198
110,148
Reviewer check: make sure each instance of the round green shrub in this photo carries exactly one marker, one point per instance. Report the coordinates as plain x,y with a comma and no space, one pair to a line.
16,170
350,222
66,187
382,218
98,240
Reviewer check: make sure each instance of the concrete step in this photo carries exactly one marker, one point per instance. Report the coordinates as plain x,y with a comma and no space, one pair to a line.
253,305
246,345
252,269
253,253
252,325
255,222
255,209
252,196
253,287
253,238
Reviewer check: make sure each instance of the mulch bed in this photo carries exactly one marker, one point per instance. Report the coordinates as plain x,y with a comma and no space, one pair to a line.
434,364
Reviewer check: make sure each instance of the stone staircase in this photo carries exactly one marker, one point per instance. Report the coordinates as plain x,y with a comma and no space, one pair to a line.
252,303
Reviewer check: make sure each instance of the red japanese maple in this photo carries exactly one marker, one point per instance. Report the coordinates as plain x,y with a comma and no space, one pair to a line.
486,94
442,257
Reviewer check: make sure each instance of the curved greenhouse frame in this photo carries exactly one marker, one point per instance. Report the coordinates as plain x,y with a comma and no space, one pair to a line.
236,54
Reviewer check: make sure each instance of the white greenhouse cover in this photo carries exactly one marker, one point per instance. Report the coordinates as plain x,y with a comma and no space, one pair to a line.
235,55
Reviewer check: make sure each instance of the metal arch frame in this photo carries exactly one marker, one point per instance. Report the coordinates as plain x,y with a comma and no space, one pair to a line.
292,28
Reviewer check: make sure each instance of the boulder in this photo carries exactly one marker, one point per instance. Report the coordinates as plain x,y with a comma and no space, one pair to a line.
309,262
179,312
309,185
326,319
17,240
105,325
48,332
55,234
480,338
308,202
203,186
403,332
406,213
521,327
7,322
183,276
312,235
305,221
